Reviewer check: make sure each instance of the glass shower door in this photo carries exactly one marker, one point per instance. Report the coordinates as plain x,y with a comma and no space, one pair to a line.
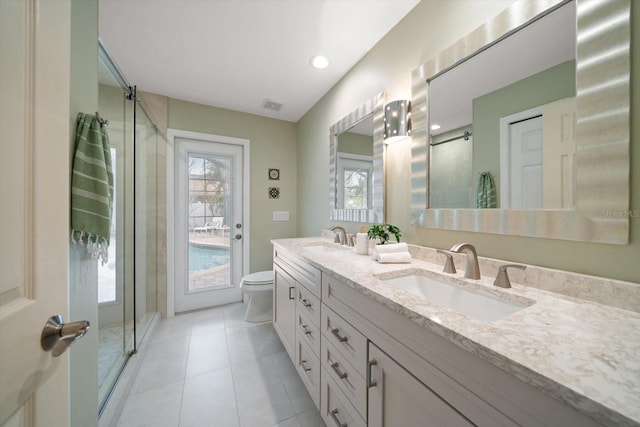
115,330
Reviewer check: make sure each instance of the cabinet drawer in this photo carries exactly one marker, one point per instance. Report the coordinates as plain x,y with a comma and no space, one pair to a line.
308,304
308,332
336,410
304,273
347,378
308,367
345,338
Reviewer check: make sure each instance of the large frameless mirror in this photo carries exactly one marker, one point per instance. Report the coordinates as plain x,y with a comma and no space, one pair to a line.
356,165
522,127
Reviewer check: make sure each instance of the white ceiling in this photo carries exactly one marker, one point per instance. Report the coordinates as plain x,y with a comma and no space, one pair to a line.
235,54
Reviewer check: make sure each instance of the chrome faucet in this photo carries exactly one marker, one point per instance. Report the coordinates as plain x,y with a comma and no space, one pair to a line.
342,234
472,271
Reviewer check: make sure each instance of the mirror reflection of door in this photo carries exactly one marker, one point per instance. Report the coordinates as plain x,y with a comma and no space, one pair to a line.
355,166
537,149
355,181
522,174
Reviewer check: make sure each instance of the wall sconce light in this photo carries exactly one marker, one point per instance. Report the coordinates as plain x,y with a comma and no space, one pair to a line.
397,121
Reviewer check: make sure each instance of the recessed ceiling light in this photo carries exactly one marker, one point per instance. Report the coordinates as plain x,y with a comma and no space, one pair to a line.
435,127
319,62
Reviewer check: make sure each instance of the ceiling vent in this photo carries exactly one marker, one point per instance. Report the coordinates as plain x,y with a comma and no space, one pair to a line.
271,105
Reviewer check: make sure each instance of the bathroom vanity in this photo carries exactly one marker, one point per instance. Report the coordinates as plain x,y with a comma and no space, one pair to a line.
374,352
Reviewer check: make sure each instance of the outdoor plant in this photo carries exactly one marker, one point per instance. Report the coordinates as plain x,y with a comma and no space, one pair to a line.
383,232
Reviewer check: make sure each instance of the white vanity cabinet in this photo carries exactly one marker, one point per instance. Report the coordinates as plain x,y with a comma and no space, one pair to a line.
296,316
397,398
364,364
284,309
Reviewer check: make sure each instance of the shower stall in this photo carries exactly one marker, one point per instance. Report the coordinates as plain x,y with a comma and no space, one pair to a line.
128,283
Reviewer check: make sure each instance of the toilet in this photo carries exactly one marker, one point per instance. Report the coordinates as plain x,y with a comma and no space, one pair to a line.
259,288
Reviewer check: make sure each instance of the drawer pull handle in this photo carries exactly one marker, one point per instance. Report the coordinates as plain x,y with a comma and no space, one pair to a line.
336,333
334,417
303,363
305,329
341,375
371,382
305,302
290,289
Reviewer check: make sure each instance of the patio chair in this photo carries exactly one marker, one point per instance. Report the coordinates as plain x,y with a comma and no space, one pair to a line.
217,225
206,228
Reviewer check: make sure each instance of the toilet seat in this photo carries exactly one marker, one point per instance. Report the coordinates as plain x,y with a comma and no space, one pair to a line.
258,278
256,287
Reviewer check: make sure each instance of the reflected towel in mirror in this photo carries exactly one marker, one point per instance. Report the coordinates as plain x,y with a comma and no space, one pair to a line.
486,196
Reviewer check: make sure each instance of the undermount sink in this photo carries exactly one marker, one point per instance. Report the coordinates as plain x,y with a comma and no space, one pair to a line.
473,304
324,247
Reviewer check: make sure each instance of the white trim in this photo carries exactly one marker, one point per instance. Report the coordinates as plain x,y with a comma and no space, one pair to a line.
505,150
172,134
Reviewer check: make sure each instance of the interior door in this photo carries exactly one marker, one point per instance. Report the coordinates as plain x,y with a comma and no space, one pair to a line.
34,207
559,152
525,178
209,229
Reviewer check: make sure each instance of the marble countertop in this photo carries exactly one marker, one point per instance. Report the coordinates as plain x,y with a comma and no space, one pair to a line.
583,353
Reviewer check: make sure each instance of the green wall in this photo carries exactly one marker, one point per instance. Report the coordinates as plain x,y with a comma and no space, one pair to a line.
432,26
273,145
539,89
355,143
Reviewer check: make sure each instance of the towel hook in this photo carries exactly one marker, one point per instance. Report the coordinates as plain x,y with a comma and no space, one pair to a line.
103,122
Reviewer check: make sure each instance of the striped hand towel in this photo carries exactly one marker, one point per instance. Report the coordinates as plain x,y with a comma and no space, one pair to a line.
486,196
92,188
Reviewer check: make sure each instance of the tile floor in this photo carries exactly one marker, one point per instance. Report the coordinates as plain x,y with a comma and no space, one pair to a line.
211,368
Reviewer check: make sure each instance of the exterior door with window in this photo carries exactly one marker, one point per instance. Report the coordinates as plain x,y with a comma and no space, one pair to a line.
209,234
355,181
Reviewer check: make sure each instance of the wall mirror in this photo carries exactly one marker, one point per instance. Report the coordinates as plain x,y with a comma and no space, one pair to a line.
356,164
522,126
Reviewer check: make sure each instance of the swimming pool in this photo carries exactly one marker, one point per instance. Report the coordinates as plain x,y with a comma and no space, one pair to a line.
205,257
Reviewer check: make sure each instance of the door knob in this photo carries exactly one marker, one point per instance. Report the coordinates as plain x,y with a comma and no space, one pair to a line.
238,236
57,336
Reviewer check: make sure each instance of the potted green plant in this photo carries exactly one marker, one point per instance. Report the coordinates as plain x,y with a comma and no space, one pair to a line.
383,232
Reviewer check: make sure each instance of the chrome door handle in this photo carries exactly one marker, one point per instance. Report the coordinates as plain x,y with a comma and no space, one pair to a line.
303,363
305,329
341,375
57,336
370,382
334,417
336,333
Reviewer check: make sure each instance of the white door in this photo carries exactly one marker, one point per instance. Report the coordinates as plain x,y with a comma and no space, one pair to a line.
34,207
526,164
209,228
521,160
558,171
